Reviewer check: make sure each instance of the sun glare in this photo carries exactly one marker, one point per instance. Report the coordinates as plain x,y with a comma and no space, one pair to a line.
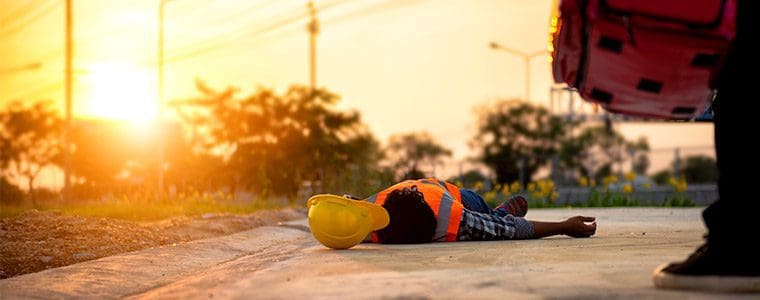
119,91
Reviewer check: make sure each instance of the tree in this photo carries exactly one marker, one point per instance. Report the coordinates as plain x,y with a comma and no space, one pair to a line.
9,192
593,152
29,140
108,156
100,152
409,151
273,143
468,179
510,132
662,177
699,169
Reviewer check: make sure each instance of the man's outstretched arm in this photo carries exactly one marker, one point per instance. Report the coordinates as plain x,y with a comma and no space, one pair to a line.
574,227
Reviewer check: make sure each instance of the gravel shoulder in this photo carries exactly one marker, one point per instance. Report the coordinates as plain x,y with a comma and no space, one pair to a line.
38,240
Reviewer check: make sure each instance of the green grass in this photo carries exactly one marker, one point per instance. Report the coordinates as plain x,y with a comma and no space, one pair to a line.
598,199
143,210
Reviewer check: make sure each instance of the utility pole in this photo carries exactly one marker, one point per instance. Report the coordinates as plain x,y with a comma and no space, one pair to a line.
67,131
677,163
527,78
313,29
160,102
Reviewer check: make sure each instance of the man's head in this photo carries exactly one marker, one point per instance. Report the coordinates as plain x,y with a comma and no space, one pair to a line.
411,219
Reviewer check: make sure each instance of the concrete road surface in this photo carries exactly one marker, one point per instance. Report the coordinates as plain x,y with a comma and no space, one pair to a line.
285,262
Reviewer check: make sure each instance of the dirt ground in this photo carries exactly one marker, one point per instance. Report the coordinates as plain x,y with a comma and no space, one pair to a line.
37,240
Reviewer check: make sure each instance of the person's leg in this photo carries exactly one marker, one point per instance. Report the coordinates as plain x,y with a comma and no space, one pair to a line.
472,201
516,206
730,258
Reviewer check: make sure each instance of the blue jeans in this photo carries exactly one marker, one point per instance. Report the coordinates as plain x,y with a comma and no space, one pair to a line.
472,201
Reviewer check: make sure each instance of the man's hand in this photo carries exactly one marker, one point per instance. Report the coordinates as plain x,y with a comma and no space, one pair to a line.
577,227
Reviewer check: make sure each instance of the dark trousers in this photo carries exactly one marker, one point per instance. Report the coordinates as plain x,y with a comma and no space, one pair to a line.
474,202
732,221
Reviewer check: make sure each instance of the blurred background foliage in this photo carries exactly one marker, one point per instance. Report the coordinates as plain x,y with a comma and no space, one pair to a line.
269,146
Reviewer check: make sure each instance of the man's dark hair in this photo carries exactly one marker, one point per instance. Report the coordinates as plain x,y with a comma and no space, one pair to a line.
412,220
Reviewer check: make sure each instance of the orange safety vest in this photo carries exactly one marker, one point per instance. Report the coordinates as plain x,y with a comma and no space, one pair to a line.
442,197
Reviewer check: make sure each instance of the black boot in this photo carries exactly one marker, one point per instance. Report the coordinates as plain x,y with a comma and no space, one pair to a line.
710,270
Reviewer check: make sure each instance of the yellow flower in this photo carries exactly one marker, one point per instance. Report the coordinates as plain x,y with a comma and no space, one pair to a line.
607,180
478,185
630,176
531,187
672,181
515,187
546,186
627,188
489,196
646,186
505,190
678,185
681,185
554,196
583,181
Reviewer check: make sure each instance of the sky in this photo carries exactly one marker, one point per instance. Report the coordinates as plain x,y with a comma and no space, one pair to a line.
406,65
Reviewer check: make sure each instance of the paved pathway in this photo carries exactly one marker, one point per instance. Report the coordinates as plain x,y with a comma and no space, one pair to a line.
285,262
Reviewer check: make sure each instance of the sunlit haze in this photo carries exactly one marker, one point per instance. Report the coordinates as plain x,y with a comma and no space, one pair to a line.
119,92
405,65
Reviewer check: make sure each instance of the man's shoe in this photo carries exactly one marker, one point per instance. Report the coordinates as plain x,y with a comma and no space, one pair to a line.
706,270
516,206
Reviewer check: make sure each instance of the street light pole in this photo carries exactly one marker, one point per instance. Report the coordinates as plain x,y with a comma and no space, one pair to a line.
526,57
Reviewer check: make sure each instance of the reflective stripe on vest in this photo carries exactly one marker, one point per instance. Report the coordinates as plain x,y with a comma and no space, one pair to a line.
443,198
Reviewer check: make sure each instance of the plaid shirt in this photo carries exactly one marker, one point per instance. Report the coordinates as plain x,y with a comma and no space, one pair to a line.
477,226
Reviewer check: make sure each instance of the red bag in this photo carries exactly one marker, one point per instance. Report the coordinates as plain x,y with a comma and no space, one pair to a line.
643,57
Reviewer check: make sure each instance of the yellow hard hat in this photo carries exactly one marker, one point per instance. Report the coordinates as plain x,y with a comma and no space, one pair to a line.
341,223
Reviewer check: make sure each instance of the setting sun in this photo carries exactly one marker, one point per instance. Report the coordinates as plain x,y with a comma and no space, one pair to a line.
119,91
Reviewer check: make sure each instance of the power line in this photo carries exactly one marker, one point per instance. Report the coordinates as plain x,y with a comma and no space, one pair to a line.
86,38
370,10
191,52
17,14
362,12
48,88
238,14
30,66
365,11
256,34
40,13
238,32
217,46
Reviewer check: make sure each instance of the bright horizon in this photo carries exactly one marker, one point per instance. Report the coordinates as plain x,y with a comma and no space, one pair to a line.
405,65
